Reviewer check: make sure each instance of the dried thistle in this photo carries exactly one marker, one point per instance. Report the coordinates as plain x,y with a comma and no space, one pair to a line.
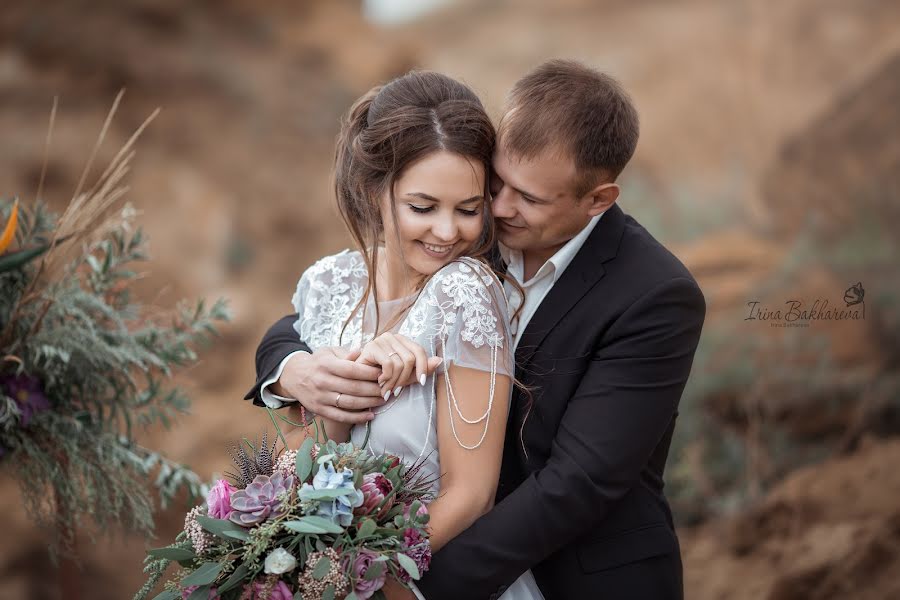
259,460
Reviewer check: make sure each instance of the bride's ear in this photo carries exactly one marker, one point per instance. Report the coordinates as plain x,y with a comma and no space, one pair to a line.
602,197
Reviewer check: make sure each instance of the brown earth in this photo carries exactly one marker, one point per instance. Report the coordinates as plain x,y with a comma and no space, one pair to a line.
232,182
827,532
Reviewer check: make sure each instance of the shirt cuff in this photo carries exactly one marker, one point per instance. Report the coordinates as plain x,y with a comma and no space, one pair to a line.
415,590
274,400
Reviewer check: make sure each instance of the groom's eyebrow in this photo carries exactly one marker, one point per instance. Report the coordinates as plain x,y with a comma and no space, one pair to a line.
425,196
521,192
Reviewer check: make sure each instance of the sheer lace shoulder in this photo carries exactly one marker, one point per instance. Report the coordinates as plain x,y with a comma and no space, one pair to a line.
326,295
463,313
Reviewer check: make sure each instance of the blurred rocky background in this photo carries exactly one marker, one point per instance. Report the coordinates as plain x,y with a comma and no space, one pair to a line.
769,162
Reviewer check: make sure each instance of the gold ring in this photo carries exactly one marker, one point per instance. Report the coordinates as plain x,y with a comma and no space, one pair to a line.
337,401
391,354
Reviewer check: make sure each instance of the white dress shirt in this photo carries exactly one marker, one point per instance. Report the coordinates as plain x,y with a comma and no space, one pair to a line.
536,290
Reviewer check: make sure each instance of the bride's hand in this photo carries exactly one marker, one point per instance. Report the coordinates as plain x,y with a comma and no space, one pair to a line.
402,361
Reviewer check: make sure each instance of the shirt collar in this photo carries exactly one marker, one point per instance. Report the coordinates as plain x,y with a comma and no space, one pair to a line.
557,263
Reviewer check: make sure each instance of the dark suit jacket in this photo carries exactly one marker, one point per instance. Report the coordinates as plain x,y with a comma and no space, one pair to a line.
580,499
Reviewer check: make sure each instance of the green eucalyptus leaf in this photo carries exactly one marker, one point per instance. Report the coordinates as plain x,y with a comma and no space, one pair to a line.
328,594
204,575
366,529
236,577
222,528
174,554
322,568
409,565
313,524
304,460
311,494
374,571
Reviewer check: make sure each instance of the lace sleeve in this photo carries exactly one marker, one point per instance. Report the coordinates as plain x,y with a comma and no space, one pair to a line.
325,297
471,318
470,328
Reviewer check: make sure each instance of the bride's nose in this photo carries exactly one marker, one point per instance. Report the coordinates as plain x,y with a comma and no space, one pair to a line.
445,230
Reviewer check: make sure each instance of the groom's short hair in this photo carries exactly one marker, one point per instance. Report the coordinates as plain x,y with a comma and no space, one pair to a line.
567,107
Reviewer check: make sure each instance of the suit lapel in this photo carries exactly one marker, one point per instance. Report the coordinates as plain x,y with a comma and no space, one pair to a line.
585,270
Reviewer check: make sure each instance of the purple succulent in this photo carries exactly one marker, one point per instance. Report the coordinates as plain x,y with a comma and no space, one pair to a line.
260,500
28,393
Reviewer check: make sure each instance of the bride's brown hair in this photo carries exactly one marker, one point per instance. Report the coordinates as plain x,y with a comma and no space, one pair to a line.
390,128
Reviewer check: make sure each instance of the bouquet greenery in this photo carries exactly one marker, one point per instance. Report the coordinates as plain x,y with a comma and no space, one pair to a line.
82,363
322,522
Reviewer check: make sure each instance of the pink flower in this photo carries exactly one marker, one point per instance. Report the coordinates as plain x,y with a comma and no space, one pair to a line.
218,500
375,487
423,510
417,548
365,589
279,592
213,594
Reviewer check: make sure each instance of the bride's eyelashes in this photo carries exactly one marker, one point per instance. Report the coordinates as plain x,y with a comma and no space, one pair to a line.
427,209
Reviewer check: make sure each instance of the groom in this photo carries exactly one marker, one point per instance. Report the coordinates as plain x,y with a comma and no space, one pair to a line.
604,339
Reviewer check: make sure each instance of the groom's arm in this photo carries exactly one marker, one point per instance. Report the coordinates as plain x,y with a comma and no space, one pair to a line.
617,416
294,373
280,341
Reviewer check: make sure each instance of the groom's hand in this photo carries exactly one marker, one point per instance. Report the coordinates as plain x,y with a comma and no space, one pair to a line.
316,379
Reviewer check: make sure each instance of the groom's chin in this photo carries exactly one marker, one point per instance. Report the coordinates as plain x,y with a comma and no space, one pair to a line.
510,240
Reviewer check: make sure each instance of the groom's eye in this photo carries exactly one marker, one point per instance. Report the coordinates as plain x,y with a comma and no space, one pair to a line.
496,185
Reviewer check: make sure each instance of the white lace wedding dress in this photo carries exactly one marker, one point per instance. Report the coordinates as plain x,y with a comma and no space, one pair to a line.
461,315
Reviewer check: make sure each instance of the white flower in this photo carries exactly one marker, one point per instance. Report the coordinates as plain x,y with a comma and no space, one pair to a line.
279,561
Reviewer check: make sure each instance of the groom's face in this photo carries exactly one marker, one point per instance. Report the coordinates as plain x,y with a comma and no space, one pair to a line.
534,202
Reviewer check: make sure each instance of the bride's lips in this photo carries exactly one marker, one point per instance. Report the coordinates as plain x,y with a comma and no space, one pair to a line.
439,251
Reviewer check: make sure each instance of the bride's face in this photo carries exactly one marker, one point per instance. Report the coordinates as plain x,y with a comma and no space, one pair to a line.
438,202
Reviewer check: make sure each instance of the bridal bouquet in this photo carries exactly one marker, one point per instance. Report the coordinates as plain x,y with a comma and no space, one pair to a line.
323,522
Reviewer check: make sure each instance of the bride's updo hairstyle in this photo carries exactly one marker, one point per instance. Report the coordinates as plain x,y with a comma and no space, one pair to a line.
390,128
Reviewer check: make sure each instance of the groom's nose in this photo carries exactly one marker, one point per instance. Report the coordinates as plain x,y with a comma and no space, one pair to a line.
502,206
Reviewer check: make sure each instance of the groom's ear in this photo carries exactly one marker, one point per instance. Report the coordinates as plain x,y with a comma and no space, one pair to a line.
602,197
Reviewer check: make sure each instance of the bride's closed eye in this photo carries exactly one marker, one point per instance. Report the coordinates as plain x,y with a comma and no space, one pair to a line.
428,209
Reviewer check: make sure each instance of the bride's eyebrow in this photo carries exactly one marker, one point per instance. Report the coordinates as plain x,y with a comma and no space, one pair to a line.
425,196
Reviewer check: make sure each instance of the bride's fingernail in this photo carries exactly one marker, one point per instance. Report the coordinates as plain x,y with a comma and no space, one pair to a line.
422,379
397,390
387,395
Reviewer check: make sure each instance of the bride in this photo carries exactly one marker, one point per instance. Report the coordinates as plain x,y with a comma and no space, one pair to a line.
411,172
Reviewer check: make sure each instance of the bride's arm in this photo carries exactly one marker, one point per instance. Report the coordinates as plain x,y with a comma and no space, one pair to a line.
469,476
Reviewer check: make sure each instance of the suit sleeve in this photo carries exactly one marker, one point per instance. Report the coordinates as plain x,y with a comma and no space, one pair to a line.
280,340
622,407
